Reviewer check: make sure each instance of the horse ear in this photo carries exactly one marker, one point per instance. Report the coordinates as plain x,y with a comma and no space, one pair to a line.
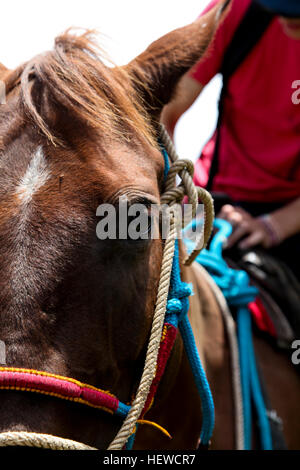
3,73
3,70
157,70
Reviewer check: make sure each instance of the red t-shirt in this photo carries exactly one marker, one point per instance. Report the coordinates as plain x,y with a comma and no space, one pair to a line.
259,156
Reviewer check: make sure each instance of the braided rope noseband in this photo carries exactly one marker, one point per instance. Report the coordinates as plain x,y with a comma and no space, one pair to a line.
161,338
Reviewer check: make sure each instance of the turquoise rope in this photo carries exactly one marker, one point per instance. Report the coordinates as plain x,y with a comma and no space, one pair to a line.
238,293
208,414
251,384
263,421
122,410
176,314
243,327
177,309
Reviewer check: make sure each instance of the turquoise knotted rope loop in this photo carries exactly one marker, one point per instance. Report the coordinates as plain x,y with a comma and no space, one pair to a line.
235,285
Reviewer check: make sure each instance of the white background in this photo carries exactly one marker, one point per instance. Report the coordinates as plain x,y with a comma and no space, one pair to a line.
28,27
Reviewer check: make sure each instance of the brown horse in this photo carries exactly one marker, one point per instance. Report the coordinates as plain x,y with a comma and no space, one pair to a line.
75,133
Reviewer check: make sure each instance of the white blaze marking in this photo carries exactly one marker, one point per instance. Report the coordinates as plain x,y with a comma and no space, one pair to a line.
35,177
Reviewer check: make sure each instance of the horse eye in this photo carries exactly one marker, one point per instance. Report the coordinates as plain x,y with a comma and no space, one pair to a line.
139,226
134,222
143,229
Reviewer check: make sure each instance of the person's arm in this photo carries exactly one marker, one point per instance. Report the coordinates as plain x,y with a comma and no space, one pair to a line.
267,231
187,92
287,219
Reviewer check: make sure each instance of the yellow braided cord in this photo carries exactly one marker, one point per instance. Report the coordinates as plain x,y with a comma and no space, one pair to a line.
55,376
155,425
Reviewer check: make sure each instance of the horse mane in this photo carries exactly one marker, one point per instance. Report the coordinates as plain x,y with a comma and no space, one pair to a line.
73,75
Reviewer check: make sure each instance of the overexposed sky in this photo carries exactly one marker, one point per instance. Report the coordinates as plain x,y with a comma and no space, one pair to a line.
28,27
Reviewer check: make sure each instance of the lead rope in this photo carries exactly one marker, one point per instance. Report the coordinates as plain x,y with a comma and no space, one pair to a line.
238,292
173,196
234,356
153,345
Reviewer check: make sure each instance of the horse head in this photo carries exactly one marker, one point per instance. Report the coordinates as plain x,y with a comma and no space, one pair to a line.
74,134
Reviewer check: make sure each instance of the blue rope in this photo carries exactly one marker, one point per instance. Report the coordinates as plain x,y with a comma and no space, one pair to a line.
243,328
238,293
263,421
176,314
166,159
177,309
122,410
208,412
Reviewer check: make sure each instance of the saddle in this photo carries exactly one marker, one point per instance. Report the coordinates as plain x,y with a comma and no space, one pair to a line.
276,311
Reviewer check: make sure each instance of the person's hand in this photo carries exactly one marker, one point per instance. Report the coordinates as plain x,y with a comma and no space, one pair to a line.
254,230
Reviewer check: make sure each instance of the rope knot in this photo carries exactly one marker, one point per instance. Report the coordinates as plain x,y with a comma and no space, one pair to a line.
185,290
174,194
174,306
178,305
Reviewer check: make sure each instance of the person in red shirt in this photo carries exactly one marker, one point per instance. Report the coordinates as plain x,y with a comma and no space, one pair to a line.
259,135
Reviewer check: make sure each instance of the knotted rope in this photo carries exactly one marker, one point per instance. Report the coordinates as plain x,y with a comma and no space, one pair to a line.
185,170
173,196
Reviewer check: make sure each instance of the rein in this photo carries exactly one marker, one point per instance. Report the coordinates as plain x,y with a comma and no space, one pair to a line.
239,293
30,380
170,313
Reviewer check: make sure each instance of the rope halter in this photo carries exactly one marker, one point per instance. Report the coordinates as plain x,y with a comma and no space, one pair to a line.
173,196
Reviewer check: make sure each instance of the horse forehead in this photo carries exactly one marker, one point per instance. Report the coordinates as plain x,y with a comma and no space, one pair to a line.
29,170
133,165
36,175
